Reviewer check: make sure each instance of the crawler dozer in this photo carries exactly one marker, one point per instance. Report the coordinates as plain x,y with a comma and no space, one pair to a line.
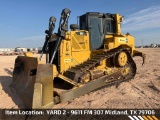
94,53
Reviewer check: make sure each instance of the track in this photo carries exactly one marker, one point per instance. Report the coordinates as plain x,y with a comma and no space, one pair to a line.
75,73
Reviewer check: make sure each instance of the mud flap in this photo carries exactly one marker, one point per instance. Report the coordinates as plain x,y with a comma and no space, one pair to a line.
33,82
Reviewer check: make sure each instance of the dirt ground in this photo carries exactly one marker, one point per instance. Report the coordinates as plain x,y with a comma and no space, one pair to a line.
141,92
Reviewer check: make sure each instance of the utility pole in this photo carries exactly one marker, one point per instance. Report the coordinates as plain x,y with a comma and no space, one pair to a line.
142,43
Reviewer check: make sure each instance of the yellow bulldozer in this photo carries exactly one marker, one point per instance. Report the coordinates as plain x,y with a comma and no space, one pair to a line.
94,53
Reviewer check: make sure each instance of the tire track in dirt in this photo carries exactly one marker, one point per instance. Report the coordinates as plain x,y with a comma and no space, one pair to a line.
147,92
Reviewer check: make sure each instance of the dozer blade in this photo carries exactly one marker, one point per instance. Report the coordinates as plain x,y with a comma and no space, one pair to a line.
33,82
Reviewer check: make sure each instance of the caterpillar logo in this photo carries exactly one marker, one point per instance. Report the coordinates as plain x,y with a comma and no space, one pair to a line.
143,117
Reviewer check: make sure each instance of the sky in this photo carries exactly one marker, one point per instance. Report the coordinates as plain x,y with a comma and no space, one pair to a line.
23,22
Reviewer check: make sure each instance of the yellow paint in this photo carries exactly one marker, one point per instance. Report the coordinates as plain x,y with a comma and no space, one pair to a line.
75,47
145,118
113,41
102,64
55,72
119,39
29,54
150,118
155,118
118,19
122,59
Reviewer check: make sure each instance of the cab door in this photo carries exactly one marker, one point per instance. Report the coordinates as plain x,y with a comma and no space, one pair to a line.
96,33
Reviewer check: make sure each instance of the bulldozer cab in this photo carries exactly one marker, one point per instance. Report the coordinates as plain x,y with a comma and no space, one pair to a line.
98,25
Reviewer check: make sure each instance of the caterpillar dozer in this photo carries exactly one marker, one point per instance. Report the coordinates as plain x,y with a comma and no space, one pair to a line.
94,53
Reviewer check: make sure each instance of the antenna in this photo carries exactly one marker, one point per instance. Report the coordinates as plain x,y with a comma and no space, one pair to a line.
77,21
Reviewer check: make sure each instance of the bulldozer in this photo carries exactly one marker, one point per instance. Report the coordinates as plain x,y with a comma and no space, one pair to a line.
92,54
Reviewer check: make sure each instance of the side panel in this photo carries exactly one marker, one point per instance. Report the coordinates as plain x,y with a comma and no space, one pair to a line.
79,41
121,40
74,49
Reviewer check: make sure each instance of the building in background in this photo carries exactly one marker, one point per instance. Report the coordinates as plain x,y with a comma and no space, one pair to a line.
34,50
39,49
5,49
19,49
29,49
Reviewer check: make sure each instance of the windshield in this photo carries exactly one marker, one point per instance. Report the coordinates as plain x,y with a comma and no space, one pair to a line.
82,21
109,26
